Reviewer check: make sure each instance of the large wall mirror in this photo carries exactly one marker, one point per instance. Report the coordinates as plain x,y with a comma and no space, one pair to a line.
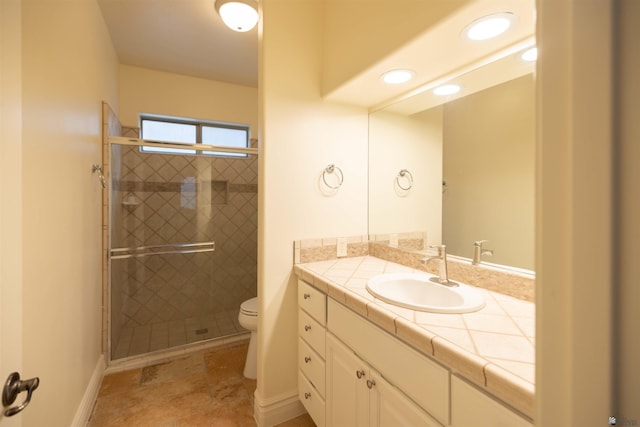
460,167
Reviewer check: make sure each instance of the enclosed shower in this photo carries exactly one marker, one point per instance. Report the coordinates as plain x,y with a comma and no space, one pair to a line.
182,245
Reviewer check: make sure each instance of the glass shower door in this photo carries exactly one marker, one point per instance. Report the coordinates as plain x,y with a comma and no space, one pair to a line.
183,247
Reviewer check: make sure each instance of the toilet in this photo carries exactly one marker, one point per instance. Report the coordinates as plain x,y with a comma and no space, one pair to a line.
248,318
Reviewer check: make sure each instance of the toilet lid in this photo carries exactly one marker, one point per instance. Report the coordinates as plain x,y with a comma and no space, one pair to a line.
250,306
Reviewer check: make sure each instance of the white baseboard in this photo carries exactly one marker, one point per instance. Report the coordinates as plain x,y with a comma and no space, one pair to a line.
269,412
90,395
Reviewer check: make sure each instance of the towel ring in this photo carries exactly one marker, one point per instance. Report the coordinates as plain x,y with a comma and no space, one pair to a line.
404,173
329,170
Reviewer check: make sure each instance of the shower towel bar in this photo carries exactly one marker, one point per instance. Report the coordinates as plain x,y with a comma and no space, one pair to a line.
184,248
200,147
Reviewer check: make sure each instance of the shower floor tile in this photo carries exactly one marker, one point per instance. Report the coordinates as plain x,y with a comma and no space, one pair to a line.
136,340
203,389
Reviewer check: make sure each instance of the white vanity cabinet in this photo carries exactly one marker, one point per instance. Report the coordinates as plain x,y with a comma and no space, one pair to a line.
351,373
358,396
412,382
471,407
312,320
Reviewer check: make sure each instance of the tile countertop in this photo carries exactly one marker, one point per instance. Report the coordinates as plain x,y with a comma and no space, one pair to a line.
492,347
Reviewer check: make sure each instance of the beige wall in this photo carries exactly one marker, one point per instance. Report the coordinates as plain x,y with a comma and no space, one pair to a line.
406,142
627,373
574,214
489,152
69,66
10,192
148,91
301,135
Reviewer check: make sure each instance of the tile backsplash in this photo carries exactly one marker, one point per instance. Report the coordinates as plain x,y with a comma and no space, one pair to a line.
403,249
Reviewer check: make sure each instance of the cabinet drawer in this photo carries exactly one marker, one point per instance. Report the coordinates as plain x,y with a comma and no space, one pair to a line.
420,378
311,365
312,401
312,301
311,331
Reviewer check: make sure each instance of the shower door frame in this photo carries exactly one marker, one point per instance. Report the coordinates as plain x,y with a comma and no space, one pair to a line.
107,243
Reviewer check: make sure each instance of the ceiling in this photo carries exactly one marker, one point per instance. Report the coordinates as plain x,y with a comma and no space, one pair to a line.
188,37
182,37
440,53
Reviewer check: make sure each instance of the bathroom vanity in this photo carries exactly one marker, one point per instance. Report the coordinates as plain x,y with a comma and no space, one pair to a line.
363,362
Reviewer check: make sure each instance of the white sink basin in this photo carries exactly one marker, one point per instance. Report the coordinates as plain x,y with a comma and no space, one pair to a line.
418,292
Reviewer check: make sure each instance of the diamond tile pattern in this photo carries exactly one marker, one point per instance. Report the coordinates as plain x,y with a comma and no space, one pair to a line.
161,301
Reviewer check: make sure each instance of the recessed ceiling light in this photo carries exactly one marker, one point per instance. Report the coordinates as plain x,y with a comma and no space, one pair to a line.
397,76
489,27
449,89
530,55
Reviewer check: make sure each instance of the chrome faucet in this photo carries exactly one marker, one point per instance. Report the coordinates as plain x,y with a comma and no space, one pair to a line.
443,277
478,251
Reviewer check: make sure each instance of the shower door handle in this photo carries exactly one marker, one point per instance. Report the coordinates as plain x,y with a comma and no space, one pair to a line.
171,249
15,386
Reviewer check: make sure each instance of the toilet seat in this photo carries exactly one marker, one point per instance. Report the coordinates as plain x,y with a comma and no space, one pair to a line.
250,307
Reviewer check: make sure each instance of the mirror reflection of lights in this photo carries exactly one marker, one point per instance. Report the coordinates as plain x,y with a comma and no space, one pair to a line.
530,55
397,76
449,89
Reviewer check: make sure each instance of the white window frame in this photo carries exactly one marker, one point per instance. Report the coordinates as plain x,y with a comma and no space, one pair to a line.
192,148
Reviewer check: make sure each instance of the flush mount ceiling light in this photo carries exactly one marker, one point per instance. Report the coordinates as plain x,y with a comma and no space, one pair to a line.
239,15
489,27
449,89
395,77
530,55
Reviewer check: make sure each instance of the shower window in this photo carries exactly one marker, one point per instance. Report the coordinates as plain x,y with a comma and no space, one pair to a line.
183,131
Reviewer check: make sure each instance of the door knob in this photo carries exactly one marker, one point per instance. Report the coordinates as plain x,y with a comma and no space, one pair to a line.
15,386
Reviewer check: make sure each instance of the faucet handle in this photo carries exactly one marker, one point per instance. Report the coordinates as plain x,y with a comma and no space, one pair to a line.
480,242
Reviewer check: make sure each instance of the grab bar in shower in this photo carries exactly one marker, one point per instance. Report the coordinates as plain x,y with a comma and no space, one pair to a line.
183,248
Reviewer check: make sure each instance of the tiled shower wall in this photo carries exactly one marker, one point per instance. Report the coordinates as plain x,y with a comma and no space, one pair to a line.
163,301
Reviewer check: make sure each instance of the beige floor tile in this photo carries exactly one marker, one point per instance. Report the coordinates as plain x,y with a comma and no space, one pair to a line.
174,370
120,381
203,389
301,421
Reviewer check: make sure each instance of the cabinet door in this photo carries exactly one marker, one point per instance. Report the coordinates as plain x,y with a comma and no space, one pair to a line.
347,393
392,408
